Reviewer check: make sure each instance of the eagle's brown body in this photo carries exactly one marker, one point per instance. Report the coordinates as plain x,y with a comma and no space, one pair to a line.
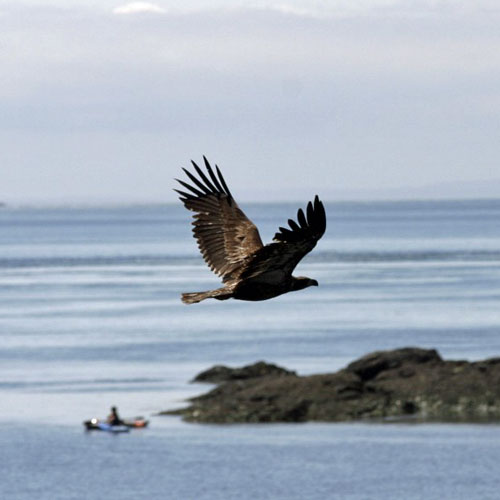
230,243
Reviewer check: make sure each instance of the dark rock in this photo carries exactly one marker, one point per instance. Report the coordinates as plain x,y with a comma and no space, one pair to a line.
409,408
221,373
387,384
371,365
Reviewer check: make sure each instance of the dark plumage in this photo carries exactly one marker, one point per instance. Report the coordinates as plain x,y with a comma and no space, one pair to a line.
231,246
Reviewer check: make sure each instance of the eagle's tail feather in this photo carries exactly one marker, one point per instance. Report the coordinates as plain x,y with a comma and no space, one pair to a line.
195,297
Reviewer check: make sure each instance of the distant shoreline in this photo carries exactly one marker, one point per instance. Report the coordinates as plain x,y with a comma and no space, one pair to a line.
48,205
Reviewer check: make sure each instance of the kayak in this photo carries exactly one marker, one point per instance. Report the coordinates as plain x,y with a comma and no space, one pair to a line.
94,424
136,423
103,426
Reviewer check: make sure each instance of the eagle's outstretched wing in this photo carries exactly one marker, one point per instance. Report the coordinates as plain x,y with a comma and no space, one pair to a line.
226,237
277,260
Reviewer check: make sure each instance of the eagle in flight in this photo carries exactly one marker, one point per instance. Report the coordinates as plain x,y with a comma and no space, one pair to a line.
231,246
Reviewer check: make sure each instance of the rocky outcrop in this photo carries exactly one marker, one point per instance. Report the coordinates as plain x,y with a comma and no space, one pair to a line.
221,373
402,383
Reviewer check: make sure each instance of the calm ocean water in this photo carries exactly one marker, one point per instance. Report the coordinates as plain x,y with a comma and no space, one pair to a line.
90,316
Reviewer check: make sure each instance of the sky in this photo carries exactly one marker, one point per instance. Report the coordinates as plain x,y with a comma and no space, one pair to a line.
105,101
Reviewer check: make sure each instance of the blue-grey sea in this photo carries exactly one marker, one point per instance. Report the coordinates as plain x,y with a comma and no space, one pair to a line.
90,317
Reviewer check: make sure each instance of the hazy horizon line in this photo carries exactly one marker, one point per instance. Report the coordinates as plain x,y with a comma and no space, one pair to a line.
145,203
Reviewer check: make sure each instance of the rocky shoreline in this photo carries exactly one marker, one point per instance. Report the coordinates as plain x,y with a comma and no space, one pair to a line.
402,383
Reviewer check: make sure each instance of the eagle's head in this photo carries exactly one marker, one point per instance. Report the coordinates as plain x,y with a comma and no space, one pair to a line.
301,282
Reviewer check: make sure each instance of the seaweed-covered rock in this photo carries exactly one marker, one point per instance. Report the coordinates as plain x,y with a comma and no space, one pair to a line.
369,366
398,383
221,373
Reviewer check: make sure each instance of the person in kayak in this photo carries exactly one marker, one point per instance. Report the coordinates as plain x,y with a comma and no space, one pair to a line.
113,417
